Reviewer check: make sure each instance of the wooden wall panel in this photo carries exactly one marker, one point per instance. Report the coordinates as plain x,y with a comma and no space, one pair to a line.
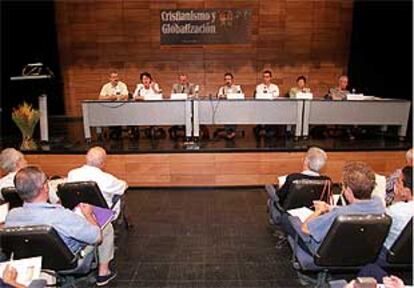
290,37
215,169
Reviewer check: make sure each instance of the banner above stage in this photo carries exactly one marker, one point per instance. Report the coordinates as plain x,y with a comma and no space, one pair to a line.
204,26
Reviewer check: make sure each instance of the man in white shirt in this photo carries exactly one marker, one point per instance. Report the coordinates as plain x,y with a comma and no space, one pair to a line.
109,185
402,209
229,87
267,87
114,89
11,162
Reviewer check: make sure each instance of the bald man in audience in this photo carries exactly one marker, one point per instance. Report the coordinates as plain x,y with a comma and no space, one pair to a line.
109,185
314,161
76,231
11,162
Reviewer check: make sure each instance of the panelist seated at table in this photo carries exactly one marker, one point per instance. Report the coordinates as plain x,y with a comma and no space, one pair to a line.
181,91
229,89
184,86
114,89
147,89
340,91
300,87
267,88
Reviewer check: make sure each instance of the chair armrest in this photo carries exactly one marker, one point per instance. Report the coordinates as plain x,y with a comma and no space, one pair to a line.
115,200
296,224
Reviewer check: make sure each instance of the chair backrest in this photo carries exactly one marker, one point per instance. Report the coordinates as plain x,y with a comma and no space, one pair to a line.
40,240
73,193
303,192
10,195
353,240
401,252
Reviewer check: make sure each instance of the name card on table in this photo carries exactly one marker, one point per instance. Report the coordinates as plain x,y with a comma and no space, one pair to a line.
179,96
265,96
153,97
235,96
304,95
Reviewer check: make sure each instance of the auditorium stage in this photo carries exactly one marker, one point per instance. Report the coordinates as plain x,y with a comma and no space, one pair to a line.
244,161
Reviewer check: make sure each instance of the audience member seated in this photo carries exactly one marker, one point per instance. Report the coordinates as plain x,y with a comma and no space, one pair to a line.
393,178
9,279
377,275
11,161
93,171
358,183
379,190
315,159
401,211
76,231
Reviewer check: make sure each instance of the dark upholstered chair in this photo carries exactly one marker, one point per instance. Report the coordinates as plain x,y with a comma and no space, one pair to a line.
351,242
304,191
401,252
10,195
43,240
73,193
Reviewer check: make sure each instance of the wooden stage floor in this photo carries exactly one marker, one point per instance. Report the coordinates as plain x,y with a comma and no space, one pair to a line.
246,161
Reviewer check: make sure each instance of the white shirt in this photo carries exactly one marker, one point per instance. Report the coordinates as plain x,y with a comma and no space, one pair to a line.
224,90
107,183
268,89
401,213
109,90
7,181
379,190
141,91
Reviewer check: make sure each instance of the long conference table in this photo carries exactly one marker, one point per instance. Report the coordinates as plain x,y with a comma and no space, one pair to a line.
291,112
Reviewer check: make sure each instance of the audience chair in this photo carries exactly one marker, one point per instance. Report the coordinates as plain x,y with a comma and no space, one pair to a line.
154,133
73,193
10,195
401,252
57,258
352,242
304,191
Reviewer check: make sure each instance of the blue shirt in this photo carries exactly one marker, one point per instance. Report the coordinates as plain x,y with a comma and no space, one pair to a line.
319,226
74,230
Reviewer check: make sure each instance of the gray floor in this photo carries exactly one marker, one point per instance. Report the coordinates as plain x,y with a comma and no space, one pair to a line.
200,238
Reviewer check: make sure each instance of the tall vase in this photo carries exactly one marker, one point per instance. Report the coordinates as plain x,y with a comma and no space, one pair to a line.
28,142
